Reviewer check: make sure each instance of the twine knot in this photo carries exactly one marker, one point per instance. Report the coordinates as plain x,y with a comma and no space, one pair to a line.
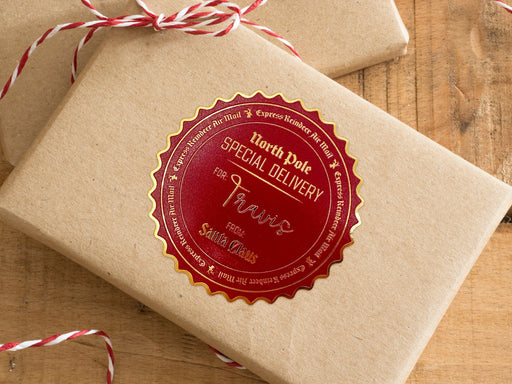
157,26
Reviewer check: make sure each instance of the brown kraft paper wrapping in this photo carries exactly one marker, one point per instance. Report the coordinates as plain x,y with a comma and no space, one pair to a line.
336,37
83,189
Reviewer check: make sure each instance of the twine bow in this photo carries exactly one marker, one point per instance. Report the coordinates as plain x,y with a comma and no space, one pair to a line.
190,20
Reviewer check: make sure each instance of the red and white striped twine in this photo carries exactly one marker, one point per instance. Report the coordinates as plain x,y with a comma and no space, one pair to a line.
56,339
227,360
504,5
190,20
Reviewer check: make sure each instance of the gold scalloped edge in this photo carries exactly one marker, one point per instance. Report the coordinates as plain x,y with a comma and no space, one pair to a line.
175,259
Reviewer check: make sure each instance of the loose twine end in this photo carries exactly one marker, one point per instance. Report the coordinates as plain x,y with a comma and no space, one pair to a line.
56,339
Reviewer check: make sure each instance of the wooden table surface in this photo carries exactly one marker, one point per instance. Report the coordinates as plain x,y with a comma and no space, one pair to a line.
454,85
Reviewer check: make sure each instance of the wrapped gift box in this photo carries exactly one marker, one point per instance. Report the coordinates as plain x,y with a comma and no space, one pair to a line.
82,188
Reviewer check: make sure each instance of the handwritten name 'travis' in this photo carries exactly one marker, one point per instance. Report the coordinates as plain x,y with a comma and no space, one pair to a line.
262,217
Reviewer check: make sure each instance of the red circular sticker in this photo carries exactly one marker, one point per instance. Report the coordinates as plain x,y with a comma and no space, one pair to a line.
255,197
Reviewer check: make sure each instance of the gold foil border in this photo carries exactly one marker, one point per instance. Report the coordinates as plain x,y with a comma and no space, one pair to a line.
157,223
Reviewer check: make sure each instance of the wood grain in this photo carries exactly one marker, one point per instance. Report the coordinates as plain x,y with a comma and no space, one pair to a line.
454,85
